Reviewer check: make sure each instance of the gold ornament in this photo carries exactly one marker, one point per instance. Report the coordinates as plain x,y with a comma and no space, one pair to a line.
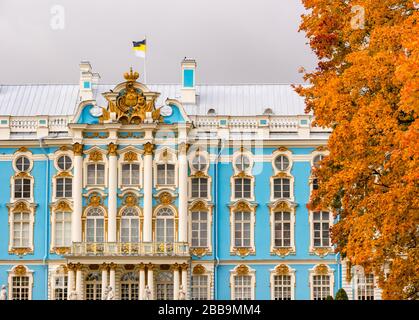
63,206
77,149
20,270
282,270
112,149
199,269
21,207
96,156
165,198
242,270
130,156
321,269
148,148
199,252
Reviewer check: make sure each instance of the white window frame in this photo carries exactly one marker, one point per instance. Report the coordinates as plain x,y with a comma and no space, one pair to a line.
311,222
283,206
159,159
361,276
88,161
246,207
121,218
20,271
60,272
86,218
22,175
175,222
208,288
62,206
138,161
276,272
235,272
325,270
21,206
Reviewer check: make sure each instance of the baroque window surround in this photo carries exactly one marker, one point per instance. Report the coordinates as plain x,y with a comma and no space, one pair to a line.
165,201
238,174
130,201
165,155
95,155
282,270
242,206
61,173
321,269
321,150
200,173
284,206
199,205
20,271
282,151
95,200
22,152
21,206
60,271
130,155
59,206
200,270
320,251
243,270
359,273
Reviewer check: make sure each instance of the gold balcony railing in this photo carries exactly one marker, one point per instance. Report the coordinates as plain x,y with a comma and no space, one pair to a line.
129,249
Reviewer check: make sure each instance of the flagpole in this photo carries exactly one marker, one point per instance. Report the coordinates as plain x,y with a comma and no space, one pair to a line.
145,61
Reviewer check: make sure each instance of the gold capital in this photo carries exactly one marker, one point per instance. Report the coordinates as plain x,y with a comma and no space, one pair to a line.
78,149
148,148
112,148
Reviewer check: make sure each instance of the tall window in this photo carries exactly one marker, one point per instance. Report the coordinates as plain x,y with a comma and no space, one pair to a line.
60,287
365,287
165,225
20,287
321,229
199,287
282,188
62,229
165,174
93,287
95,225
321,287
242,188
64,188
282,287
21,225
199,187
130,174
282,229
242,229
199,229
130,286
95,174
129,225
242,287
22,188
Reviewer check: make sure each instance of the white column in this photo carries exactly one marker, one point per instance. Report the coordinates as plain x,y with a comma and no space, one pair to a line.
112,282
77,193
112,188
104,280
142,282
176,282
150,280
183,193
185,279
78,283
148,191
70,282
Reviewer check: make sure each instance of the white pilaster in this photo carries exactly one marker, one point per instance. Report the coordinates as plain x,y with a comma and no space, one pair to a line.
183,193
79,274
112,198
148,191
112,282
176,282
150,280
185,279
142,282
70,282
77,193
104,280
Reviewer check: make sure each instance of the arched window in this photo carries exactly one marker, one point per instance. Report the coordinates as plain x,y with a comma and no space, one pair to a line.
95,225
129,230
130,286
165,225
93,287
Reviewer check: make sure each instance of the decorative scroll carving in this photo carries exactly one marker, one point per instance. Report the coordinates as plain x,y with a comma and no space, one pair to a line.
199,269
96,156
130,156
20,270
20,251
78,149
165,198
131,105
199,206
199,252
130,200
61,250
282,270
21,207
322,252
243,206
95,200
63,206
321,269
243,252
282,206
282,252
282,149
242,270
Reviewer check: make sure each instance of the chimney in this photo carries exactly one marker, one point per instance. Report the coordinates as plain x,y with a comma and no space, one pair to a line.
87,80
188,91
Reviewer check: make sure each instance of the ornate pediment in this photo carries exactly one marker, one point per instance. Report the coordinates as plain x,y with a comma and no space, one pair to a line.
131,104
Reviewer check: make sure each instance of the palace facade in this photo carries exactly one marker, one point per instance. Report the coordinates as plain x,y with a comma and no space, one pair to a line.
164,192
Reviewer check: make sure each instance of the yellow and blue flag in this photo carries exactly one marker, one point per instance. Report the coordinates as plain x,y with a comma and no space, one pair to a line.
139,48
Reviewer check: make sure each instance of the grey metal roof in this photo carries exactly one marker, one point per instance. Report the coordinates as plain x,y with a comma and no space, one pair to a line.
229,100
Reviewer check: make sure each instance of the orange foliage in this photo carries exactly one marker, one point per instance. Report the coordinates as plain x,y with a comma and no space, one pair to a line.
366,88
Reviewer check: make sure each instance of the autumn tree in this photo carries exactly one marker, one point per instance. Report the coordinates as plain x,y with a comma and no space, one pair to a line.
366,88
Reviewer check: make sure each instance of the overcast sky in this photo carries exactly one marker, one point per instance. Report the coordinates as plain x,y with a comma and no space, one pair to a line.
233,41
